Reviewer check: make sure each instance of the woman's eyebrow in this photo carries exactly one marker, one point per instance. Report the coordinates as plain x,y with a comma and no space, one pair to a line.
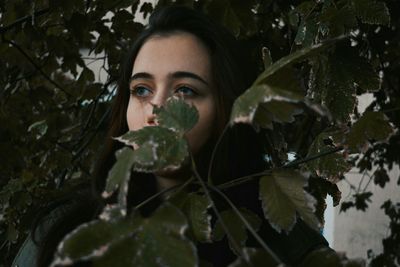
175,75
187,74
141,75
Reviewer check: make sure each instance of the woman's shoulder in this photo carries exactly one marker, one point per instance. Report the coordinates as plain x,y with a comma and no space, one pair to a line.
28,252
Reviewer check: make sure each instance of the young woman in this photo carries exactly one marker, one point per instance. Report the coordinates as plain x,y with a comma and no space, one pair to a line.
180,53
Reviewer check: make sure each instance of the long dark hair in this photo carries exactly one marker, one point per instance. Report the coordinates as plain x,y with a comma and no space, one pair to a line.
232,73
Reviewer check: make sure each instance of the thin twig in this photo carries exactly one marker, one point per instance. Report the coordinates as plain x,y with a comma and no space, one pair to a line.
292,164
214,207
23,19
37,67
248,226
163,192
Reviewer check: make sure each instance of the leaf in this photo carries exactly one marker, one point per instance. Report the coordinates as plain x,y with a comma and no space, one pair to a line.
195,207
254,256
39,128
329,258
92,240
330,167
282,194
276,83
177,115
158,148
306,32
373,125
236,15
246,106
381,177
372,12
275,111
119,175
295,57
334,81
159,241
235,226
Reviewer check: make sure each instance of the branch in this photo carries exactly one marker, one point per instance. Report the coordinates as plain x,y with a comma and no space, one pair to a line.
37,67
248,226
23,19
292,164
165,191
228,234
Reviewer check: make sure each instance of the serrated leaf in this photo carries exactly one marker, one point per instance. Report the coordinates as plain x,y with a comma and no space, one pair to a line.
306,32
235,226
254,256
283,196
269,88
335,22
236,15
330,167
371,126
160,241
246,106
372,12
92,240
295,57
195,207
177,115
275,111
335,79
119,175
158,148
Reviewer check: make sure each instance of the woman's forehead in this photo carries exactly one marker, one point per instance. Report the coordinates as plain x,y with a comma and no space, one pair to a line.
161,55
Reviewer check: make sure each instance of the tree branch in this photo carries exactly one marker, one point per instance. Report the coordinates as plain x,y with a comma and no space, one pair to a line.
23,19
292,164
37,67
214,207
248,226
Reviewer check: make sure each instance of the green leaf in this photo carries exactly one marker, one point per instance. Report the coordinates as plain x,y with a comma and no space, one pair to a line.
93,239
329,258
276,83
307,32
372,12
297,56
158,148
275,111
235,226
159,241
254,256
177,115
236,15
39,128
335,22
330,167
371,126
334,81
283,196
195,207
119,175
248,105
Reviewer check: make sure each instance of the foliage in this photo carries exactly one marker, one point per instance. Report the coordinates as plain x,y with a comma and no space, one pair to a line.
323,56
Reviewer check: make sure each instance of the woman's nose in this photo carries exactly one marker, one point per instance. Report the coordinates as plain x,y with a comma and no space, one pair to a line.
158,100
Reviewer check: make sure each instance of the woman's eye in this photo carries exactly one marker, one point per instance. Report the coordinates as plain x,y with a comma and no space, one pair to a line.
186,91
141,91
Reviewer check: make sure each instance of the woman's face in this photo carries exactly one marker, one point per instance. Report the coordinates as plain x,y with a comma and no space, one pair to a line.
177,64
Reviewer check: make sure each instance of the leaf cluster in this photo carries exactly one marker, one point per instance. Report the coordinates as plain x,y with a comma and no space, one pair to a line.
319,58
